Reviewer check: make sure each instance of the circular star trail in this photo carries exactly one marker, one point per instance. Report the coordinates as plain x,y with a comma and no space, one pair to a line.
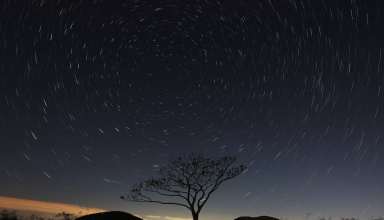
96,95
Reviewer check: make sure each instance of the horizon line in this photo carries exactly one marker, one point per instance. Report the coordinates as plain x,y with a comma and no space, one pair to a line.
22,204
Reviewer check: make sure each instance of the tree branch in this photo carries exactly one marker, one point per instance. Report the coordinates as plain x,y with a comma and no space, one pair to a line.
160,202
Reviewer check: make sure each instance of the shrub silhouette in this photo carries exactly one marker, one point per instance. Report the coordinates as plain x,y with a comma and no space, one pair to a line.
65,216
8,215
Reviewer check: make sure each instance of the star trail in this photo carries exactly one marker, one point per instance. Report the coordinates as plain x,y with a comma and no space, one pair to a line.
96,95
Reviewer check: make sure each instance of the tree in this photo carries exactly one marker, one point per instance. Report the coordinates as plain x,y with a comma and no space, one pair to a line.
187,181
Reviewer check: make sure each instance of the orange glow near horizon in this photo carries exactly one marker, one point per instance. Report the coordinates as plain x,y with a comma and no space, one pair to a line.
47,207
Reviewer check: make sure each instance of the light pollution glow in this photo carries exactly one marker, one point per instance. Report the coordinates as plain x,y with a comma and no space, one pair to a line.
46,207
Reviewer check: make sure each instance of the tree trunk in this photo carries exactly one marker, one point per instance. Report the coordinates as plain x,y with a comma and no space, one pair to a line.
195,216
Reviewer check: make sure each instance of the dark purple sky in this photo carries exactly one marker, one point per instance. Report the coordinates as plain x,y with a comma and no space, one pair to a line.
95,94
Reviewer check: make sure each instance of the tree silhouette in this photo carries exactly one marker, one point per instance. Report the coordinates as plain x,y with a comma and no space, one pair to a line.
188,181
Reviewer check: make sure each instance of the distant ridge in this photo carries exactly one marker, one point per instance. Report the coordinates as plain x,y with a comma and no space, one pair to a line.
256,218
112,215
44,206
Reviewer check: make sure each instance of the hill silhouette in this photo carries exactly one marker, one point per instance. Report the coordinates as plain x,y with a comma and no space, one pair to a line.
256,218
113,215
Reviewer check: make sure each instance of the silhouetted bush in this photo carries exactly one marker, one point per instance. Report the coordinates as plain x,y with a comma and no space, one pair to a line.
8,215
13,215
65,216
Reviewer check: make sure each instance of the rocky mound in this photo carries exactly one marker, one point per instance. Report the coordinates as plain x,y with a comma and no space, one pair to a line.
114,215
256,218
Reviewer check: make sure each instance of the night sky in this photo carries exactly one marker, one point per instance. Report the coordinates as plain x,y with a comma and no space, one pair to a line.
95,95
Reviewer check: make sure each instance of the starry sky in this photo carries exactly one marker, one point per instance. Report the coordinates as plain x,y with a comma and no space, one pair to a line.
96,94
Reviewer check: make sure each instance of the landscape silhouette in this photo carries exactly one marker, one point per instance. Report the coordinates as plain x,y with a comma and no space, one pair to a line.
187,181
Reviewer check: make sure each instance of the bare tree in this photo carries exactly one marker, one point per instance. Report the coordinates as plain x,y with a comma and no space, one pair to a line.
188,181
